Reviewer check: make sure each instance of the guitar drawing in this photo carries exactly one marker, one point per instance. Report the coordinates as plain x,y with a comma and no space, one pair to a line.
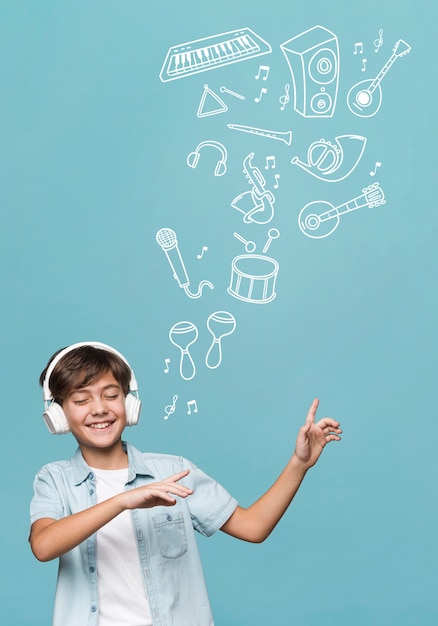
364,98
319,219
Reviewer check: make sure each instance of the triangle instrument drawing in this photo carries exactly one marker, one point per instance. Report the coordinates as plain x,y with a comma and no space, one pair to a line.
205,111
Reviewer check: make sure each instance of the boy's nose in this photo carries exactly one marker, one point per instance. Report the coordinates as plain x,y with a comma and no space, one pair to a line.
98,407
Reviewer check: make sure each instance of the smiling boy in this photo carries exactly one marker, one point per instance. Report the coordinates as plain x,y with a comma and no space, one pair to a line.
121,521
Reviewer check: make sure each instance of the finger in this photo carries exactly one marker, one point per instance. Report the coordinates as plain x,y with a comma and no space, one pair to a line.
312,411
332,437
328,422
176,477
178,490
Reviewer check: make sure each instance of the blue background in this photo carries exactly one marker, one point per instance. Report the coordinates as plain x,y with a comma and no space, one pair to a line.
93,151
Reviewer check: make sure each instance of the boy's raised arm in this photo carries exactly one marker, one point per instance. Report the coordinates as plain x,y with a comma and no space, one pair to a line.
50,538
257,521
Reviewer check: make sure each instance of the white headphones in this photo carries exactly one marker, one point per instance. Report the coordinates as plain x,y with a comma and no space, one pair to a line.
221,166
54,416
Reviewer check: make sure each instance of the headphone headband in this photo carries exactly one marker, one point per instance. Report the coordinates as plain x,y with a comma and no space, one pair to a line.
47,394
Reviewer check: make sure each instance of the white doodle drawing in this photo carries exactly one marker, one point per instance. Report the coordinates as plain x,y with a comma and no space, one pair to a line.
364,98
220,324
206,111
166,369
170,408
313,59
379,41
273,233
203,251
249,245
192,404
256,205
373,172
221,166
319,219
364,64
232,93
270,162
263,72
358,47
260,96
183,335
286,136
166,239
253,278
333,162
284,99
201,55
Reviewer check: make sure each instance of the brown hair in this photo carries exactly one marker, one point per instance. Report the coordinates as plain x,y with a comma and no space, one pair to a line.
83,366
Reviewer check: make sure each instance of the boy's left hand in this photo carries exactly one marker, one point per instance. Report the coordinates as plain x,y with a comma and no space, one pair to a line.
313,437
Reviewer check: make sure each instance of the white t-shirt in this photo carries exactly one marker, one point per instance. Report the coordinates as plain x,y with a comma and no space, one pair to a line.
122,595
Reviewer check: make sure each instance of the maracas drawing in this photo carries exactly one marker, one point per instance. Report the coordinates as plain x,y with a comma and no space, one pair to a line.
183,335
220,324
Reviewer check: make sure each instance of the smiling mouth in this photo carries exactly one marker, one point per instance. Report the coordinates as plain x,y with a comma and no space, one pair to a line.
100,425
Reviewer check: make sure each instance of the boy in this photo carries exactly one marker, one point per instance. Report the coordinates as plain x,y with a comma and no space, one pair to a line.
122,522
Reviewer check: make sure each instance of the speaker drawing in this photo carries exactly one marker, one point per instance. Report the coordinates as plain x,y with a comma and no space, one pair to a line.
313,59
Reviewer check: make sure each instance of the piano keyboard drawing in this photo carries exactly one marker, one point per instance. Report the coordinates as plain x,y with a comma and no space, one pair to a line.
208,53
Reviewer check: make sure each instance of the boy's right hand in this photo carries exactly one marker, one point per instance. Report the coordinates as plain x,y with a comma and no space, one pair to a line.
156,494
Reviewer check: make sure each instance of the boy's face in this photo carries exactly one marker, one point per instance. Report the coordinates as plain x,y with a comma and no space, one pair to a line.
96,414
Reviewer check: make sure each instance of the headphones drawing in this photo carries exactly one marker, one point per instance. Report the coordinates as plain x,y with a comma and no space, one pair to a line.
221,166
54,416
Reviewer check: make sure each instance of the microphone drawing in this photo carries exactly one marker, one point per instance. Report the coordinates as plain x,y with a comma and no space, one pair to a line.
166,239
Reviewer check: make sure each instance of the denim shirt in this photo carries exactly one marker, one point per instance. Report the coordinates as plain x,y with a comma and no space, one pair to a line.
169,558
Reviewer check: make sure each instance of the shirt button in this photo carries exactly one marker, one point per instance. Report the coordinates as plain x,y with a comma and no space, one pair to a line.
169,518
92,569
93,609
91,492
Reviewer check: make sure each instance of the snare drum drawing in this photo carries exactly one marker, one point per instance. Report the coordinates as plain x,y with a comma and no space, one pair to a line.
253,278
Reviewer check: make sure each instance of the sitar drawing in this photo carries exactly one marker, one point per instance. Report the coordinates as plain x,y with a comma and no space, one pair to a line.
319,219
364,98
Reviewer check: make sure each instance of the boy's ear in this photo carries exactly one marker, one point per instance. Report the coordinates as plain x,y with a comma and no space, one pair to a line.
56,420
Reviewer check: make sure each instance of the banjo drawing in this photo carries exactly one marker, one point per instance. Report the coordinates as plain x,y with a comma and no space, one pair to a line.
364,98
319,219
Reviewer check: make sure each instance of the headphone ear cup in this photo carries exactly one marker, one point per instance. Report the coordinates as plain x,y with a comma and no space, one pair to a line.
220,168
56,420
193,158
133,406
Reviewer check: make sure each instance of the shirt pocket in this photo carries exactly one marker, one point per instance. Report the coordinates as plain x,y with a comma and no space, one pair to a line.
171,534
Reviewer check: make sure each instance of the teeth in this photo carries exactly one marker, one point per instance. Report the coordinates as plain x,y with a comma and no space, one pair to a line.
100,425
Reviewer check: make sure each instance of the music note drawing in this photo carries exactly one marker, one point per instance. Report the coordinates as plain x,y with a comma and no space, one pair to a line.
166,369
270,161
170,408
378,164
263,69
378,42
204,249
358,48
260,96
190,404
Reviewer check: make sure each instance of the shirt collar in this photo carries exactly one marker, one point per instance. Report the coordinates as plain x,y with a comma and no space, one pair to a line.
136,461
